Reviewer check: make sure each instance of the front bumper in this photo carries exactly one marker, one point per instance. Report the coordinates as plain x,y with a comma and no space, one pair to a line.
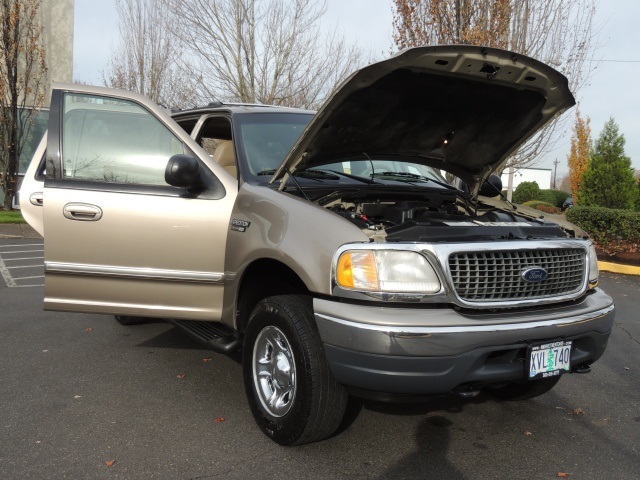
435,350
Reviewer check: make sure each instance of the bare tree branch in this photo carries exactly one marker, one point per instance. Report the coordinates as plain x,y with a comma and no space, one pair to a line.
559,33
147,56
268,51
22,77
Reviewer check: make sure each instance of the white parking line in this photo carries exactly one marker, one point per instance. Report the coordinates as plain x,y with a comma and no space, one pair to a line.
7,265
24,251
21,245
23,258
6,275
22,266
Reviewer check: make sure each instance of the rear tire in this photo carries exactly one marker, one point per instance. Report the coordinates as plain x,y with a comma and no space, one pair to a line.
293,395
525,390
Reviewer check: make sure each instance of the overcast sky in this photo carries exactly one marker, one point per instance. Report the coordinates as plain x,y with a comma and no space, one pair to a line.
612,91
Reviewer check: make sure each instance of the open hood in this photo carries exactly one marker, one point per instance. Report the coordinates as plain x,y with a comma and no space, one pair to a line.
460,108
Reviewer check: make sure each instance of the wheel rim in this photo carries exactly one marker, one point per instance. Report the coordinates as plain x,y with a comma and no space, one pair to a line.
274,371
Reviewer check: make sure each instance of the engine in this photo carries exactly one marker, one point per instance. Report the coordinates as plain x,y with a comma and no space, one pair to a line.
440,221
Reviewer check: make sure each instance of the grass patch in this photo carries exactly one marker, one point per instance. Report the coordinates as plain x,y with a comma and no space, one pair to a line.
12,216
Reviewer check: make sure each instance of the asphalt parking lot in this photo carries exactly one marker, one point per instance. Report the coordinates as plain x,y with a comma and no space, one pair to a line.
82,396
21,263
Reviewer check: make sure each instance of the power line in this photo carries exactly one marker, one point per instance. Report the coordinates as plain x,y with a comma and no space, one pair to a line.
616,61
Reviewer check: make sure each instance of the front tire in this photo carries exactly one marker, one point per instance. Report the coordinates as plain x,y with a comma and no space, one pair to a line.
293,395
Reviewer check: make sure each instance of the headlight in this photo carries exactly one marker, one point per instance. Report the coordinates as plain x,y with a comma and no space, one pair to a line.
594,273
386,271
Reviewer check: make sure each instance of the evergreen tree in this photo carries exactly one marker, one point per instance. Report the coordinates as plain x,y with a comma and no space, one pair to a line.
609,181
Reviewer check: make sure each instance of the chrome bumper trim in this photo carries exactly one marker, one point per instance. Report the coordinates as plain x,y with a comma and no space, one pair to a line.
426,331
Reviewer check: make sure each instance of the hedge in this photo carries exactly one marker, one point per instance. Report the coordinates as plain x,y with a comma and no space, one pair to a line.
542,206
554,197
607,225
528,191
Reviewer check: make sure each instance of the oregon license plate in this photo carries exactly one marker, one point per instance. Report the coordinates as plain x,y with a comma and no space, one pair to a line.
549,359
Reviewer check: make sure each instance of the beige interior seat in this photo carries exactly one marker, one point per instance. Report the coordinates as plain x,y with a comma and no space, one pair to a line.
225,157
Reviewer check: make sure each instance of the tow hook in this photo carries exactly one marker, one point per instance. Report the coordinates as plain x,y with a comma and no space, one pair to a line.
581,369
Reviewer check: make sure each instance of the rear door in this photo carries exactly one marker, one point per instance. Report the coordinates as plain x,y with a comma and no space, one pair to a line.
118,238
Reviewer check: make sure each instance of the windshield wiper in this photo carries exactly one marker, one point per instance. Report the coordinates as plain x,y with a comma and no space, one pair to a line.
420,177
403,175
347,175
317,175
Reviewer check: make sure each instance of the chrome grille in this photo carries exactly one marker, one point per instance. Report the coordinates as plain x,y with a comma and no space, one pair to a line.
496,276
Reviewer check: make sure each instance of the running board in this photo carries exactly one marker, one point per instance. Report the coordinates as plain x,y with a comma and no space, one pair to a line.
215,335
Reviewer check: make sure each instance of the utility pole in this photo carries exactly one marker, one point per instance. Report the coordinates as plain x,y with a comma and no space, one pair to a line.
555,170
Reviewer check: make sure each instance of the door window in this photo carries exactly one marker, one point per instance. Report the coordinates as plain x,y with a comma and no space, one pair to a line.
115,141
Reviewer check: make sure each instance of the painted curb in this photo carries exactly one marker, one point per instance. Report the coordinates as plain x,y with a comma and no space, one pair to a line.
618,268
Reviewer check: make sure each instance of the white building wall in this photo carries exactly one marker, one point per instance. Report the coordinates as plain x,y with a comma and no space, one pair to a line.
542,176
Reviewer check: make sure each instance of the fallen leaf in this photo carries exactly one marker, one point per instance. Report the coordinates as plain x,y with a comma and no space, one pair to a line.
181,375
563,474
206,360
110,463
578,411
220,419
89,330
527,434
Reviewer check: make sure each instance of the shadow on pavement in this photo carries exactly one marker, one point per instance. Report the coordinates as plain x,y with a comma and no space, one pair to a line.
429,459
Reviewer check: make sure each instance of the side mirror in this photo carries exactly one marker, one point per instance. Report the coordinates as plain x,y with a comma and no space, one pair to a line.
183,171
491,187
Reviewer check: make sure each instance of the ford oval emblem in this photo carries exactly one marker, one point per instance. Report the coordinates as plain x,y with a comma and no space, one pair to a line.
534,274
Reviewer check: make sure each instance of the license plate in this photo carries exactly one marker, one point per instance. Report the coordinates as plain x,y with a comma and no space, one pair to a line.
549,359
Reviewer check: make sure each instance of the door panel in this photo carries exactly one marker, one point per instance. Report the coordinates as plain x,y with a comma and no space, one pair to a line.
32,189
118,239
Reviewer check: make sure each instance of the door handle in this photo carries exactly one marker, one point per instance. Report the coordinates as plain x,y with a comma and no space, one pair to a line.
36,198
82,211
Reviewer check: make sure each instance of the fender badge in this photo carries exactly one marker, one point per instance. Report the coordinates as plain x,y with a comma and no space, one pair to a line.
239,225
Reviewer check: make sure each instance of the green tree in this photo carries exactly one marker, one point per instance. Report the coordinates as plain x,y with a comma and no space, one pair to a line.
609,181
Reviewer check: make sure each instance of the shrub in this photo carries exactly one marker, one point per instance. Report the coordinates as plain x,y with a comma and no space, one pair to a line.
536,203
526,191
542,206
607,225
554,197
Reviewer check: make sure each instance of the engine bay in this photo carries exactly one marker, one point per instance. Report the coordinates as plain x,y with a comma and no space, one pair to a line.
440,217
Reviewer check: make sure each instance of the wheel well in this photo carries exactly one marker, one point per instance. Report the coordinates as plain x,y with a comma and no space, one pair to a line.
262,279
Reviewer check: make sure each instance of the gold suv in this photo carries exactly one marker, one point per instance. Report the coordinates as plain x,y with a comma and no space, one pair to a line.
328,246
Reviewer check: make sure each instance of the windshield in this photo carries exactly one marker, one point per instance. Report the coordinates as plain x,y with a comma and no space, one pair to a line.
393,170
264,139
